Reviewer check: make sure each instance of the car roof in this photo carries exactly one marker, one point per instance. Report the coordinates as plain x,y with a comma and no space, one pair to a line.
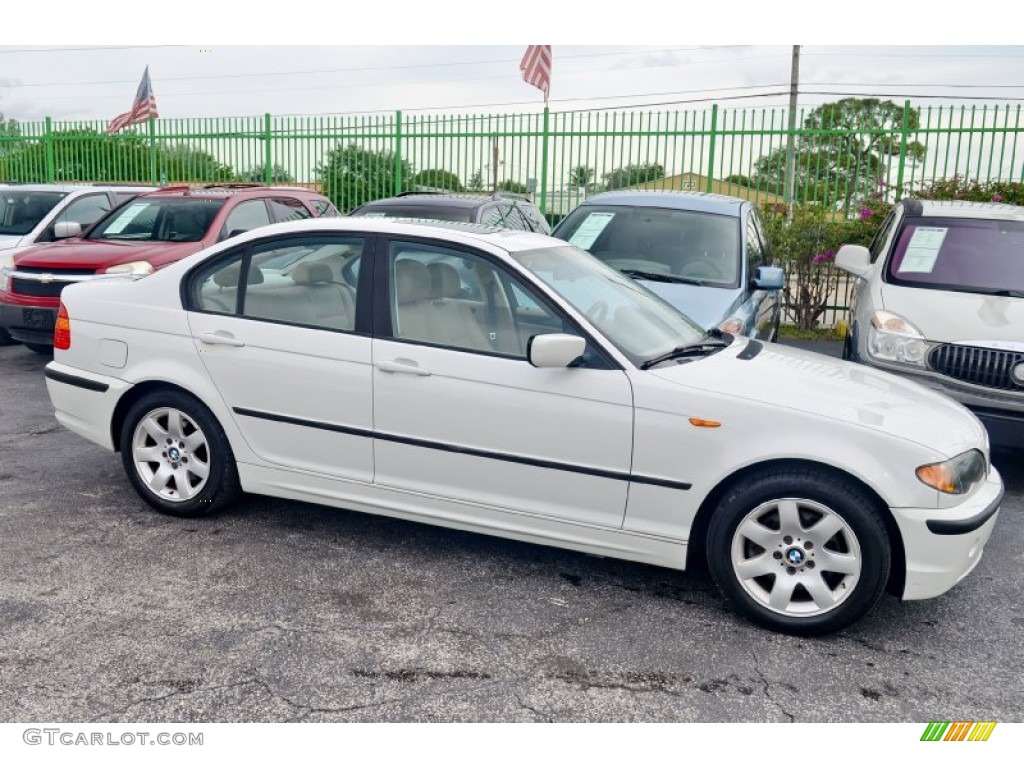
222,190
703,202
68,188
468,234
964,209
446,201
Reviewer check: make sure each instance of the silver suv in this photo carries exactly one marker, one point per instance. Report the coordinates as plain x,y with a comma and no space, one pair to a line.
41,213
940,300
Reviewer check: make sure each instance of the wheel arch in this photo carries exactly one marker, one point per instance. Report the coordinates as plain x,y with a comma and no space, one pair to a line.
696,554
132,396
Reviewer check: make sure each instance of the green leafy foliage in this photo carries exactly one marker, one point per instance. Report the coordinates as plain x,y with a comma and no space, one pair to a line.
510,185
580,176
630,175
476,182
964,188
435,178
843,154
352,175
278,174
806,246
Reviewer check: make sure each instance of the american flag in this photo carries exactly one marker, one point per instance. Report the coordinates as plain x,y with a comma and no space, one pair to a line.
536,67
142,109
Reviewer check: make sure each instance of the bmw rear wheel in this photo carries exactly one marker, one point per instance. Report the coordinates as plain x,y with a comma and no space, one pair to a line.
177,456
799,551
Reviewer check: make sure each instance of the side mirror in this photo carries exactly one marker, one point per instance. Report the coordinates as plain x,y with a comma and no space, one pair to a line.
554,350
770,278
63,229
854,259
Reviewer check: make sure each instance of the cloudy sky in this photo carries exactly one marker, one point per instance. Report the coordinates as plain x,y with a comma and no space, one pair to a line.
89,67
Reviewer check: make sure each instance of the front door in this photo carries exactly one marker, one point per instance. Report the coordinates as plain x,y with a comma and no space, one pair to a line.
460,413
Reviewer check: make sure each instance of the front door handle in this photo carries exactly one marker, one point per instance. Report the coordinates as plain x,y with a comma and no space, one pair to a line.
221,337
402,365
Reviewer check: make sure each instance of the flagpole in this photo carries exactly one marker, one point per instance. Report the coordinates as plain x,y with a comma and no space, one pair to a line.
152,149
544,164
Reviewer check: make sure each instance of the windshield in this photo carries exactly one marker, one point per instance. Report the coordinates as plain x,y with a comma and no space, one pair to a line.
676,246
21,211
437,212
632,318
972,255
178,220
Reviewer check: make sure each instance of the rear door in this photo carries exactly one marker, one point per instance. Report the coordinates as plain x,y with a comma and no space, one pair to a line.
285,341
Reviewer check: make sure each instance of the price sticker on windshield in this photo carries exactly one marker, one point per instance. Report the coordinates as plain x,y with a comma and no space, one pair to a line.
923,249
127,217
590,230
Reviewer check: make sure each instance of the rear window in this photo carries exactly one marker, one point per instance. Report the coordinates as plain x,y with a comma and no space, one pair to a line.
417,211
971,255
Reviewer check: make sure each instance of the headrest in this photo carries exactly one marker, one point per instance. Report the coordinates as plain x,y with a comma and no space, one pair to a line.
309,273
412,282
228,277
444,281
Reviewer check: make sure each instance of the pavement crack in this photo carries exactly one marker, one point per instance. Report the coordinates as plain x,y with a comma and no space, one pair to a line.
542,715
768,689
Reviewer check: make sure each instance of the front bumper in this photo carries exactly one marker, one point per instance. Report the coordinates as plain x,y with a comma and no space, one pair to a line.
84,402
937,561
28,324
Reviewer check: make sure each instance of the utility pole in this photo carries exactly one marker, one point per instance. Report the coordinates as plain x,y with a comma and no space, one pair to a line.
794,81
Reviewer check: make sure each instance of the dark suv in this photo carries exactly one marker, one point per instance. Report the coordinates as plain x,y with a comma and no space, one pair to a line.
503,209
142,235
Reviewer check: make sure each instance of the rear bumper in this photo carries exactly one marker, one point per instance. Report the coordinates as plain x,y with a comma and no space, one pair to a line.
944,545
28,324
84,402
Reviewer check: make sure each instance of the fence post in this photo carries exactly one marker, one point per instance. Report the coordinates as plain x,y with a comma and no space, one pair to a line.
48,145
398,152
903,150
711,148
152,150
544,166
268,153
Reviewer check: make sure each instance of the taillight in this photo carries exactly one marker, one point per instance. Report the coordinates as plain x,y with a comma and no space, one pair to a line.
62,330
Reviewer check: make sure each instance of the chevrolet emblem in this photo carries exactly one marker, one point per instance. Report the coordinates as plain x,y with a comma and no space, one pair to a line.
46,277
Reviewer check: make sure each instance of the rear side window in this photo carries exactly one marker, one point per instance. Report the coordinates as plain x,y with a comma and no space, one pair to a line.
324,208
246,216
288,209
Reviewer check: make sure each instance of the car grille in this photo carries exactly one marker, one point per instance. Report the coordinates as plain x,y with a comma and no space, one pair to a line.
51,288
977,365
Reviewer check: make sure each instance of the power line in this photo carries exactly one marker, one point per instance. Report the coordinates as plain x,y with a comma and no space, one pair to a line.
88,48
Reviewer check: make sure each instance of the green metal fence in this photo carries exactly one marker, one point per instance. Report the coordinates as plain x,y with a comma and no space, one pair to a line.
844,152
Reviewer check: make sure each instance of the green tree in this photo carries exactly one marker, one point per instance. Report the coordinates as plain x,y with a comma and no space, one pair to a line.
510,185
476,182
183,162
352,175
10,135
964,188
580,176
843,154
278,174
630,175
435,178
738,179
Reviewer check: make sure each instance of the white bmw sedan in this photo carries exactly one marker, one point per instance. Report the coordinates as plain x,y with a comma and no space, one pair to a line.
511,384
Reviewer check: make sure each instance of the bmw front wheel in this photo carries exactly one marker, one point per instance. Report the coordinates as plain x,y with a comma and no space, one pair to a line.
802,552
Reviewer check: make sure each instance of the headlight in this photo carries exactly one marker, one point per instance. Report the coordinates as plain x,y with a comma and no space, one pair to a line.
893,338
957,475
6,266
137,268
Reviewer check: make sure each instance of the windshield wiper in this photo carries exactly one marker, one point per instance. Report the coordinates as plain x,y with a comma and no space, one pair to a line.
639,274
705,346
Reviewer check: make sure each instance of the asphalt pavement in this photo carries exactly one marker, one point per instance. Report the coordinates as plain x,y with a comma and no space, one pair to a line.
280,611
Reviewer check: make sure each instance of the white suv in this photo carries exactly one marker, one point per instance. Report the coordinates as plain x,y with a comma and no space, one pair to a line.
40,213
941,300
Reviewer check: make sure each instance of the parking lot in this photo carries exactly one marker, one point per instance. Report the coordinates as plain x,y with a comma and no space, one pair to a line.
281,611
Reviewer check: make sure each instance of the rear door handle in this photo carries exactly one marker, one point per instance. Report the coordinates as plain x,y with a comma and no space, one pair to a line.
402,366
221,337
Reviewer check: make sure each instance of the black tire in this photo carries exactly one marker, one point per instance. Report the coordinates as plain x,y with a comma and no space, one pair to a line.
791,566
5,338
220,486
41,349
